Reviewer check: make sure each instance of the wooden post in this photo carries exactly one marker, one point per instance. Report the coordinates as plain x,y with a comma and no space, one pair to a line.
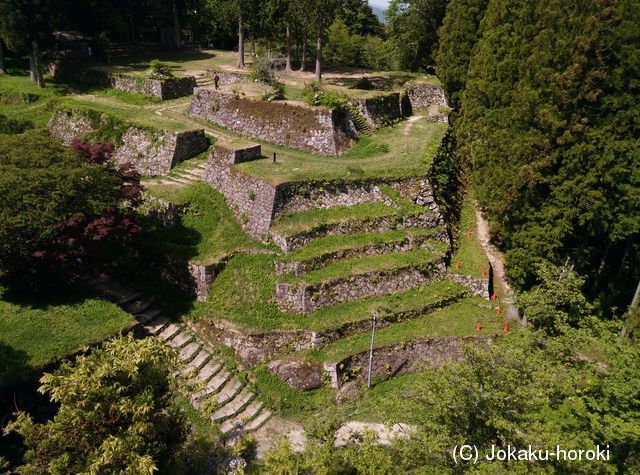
373,337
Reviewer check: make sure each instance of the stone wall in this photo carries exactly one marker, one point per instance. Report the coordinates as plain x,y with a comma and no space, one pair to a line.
315,130
302,297
170,88
381,109
151,152
423,95
202,276
409,243
227,77
401,358
250,199
477,286
295,241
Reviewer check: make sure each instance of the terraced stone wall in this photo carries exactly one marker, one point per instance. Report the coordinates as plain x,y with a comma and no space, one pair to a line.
151,152
307,298
401,358
250,199
314,130
301,196
381,109
477,286
164,89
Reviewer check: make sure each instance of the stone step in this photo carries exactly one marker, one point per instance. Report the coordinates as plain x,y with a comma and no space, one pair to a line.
199,361
138,306
256,423
124,300
148,315
195,173
209,370
170,331
188,352
243,418
157,324
233,407
229,391
180,340
214,385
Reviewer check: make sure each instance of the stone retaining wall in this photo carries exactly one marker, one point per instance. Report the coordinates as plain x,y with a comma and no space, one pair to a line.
477,286
423,95
151,152
315,130
170,88
250,199
298,240
202,276
302,297
409,243
227,77
401,358
380,110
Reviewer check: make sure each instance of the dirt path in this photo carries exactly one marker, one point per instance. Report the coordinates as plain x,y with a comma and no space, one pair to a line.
494,255
410,121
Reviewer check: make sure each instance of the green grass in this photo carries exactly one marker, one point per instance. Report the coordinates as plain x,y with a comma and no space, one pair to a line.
243,294
307,220
208,230
363,265
329,244
386,153
36,335
470,258
458,319
286,400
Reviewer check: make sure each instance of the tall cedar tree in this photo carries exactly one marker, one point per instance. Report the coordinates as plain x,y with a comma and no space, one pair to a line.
548,121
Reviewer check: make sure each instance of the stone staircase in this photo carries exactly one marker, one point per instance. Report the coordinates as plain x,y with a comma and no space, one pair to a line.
238,410
184,177
359,121
204,81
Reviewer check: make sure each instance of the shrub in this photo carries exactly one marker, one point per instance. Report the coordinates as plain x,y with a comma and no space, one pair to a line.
13,126
276,93
262,69
160,70
314,95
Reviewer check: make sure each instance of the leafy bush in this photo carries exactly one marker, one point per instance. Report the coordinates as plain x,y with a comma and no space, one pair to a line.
276,93
13,126
262,69
160,70
314,95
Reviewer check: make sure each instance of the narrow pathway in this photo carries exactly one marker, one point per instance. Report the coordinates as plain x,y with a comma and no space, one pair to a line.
493,254
410,121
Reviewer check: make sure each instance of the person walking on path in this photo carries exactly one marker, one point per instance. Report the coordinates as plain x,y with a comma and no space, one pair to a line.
216,80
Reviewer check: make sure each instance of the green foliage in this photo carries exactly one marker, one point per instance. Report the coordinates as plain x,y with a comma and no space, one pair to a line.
160,70
447,176
412,29
377,54
547,120
45,193
342,47
262,69
315,95
9,125
557,301
457,37
277,92
116,412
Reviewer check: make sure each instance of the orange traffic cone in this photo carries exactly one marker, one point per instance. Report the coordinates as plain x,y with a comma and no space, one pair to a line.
484,272
494,296
468,232
506,327
478,327
499,311
457,266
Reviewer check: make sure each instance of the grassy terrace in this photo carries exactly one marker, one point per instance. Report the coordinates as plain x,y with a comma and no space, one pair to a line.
363,265
36,334
329,244
388,152
457,319
310,219
207,232
243,294
470,258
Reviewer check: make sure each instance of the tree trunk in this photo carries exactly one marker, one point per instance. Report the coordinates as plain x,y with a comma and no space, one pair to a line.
253,44
32,69
319,56
303,61
240,43
37,66
176,26
3,69
287,69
